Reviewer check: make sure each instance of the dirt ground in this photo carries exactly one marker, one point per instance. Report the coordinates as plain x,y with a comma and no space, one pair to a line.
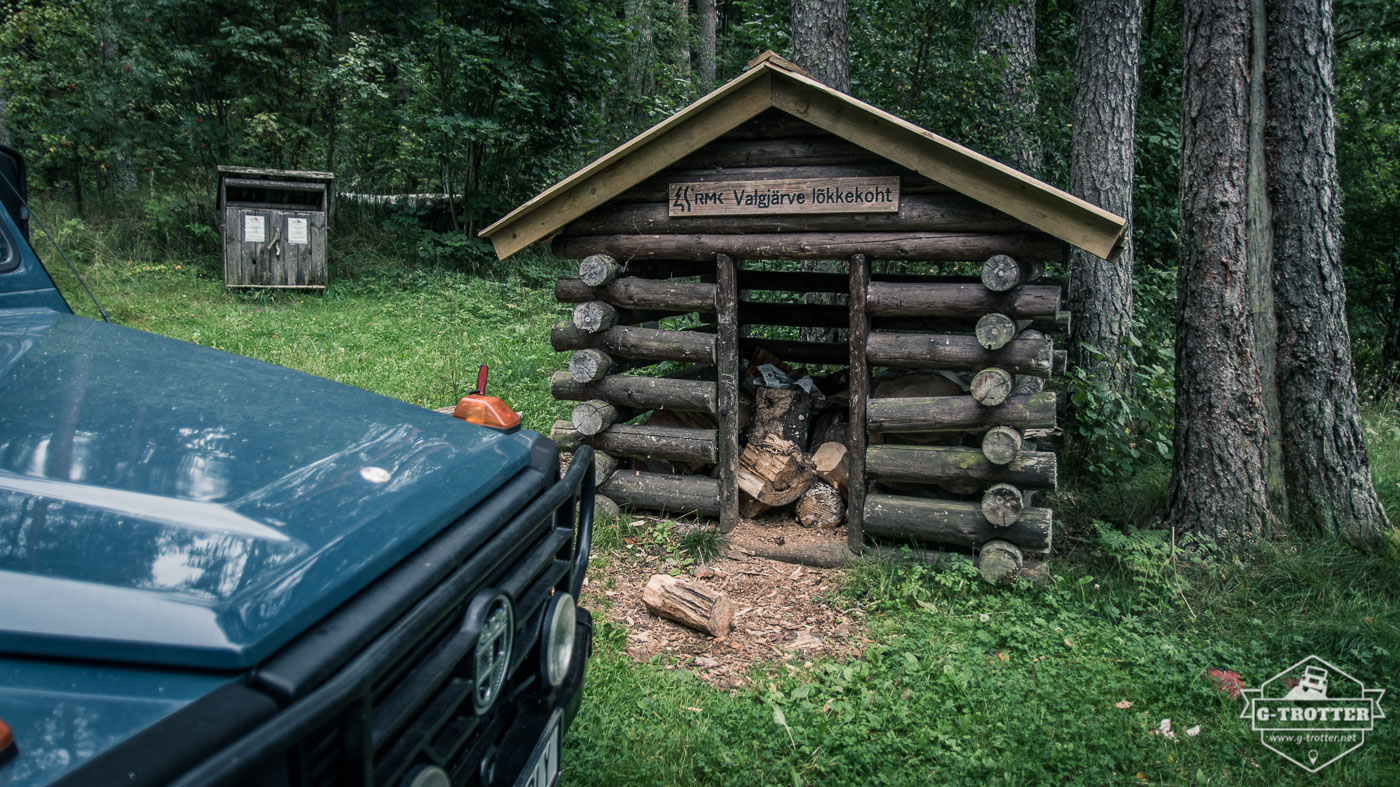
784,614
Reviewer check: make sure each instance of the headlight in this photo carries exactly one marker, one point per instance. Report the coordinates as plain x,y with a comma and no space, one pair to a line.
557,638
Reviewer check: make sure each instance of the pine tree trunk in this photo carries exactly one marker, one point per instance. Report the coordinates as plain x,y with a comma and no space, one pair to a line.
1006,31
1101,171
1217,485
819,41
121,171
708,11
1324,454
683,59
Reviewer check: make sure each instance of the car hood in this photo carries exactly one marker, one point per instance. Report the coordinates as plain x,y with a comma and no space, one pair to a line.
166,503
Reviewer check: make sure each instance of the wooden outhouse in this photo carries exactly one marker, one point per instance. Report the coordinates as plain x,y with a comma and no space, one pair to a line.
274,226
694,238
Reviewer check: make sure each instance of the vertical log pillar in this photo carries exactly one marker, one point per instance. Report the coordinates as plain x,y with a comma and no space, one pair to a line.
727,393
859,394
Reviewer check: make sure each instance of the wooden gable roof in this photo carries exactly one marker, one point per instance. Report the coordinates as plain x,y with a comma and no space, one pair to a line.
772,82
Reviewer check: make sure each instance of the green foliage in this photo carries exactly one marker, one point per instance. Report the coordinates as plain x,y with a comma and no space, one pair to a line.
1116,433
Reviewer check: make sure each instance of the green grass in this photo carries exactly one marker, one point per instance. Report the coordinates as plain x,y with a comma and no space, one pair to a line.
961,684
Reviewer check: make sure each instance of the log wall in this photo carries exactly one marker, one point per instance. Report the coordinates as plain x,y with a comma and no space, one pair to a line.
945,471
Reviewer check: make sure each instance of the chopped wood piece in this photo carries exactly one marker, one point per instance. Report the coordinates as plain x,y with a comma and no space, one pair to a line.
772,471
992,386
593,416
586,366
1002,505
1001,444
782,413
832,463
993,330
1001,273
821,507
594,316
605,508
999,562
597,269
689,604
604,465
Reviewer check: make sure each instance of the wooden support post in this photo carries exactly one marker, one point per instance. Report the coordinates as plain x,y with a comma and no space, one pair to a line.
1001,273
597,269
727,388
859,395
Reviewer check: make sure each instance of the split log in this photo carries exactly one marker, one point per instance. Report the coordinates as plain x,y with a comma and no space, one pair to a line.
832,464
595,415
960,413
1001,273
782,413
598,269
992,386
1000,562
604,465
899,299
917,213
677,495
642,393
821,507
635,292
594,316
993,330
705,610
605,508
946,351
773,472
1002,504
952,522
650,344
944,246
945,464
642,442
1001,445
586,366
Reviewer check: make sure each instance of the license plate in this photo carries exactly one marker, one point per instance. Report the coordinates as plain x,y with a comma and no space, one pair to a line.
543,770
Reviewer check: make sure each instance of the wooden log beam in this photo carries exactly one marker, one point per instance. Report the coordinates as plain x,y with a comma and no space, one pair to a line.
652,344
955,523
642,393
917,213
1000,562
947,246
992,386
586,366
657,188
994,331
947,351
671,443
594,316
960,413
598,269
1001,273
932,464
794,151
634,292
595,415
897,299
1001,445
604,465
672,494
1002,504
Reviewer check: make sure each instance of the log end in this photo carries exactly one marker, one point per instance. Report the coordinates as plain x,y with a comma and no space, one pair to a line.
999,562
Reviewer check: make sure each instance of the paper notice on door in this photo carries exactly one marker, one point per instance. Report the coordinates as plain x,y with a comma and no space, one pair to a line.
254,229
296,231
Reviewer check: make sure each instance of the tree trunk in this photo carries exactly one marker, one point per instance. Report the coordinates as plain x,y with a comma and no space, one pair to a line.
1324,454
1217,485
1101,171
709,21
1006,32
819,41
121,172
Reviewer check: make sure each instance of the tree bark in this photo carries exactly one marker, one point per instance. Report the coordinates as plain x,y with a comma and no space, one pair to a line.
709,21
819,41
1101,171
1218,467
1324,453
1006,31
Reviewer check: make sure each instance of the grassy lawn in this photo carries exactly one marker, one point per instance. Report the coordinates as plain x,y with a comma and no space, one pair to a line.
961,684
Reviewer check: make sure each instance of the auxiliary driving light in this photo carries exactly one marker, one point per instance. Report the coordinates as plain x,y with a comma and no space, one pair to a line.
557,638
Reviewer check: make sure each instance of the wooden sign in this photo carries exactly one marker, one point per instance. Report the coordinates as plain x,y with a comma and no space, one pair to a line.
795,195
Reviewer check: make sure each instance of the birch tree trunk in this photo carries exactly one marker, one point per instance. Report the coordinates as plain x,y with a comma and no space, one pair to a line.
1006,30
1101,171
1217,485
1324,453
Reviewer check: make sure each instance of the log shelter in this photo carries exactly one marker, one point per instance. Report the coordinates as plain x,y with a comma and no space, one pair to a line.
696,240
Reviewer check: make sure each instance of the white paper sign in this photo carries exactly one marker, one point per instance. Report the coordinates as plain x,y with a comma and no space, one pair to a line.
254,229
296,231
